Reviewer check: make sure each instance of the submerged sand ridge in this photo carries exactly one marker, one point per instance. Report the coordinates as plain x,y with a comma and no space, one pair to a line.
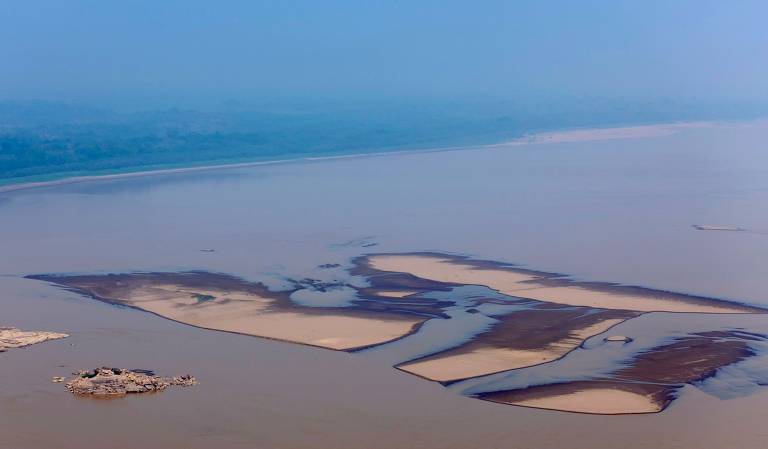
534,319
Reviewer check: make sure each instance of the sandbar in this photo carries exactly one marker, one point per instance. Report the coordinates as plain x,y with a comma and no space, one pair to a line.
547,287
226,303
505,347
11,337
647,383
603,401
614,133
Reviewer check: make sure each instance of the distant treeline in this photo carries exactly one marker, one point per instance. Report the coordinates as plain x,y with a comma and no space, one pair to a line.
44,140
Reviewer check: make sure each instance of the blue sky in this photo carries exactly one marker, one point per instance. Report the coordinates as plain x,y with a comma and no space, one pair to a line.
99,51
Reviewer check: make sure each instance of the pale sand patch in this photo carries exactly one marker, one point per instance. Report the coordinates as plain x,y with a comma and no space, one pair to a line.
532,286
618,338
598,134
603,401
660,302
446,269
455,365
394,293
250,314
10,337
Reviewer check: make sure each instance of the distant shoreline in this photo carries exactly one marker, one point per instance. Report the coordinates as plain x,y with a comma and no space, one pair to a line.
563,136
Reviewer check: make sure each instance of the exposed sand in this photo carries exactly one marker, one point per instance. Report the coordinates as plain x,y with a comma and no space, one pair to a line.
602,401
597,134
618,338
249,314
547,288
10,337
233,305
456,365
647,382
329,331
395,293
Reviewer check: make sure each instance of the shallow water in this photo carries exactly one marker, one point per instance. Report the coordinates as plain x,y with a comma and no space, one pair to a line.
617,210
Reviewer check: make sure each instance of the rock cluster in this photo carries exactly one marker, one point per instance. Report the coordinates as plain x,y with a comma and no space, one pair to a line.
119,382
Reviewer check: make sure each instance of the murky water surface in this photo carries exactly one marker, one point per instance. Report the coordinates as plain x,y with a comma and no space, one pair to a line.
617,210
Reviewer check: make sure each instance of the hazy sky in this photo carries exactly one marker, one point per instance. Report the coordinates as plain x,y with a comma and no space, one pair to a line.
106,51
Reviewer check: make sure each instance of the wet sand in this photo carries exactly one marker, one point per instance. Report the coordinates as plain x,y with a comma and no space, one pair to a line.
221,302
649,382
548,287
603,401
521,339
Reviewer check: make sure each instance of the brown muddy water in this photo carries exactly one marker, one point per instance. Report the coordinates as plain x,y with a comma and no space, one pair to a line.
617,210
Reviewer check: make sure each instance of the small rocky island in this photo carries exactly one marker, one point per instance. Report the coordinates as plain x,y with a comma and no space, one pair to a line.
117,382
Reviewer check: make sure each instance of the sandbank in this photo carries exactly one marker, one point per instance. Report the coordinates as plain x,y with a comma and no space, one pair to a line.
621,132
482,357
647,383
222,302
547,287
602,401
11,337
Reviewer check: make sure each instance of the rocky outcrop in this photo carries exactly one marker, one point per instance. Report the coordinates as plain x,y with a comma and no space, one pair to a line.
116,382
11,337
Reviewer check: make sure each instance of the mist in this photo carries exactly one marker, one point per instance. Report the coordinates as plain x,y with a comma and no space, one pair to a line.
147,54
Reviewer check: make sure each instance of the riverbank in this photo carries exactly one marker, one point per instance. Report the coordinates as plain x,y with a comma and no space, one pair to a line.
563,136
